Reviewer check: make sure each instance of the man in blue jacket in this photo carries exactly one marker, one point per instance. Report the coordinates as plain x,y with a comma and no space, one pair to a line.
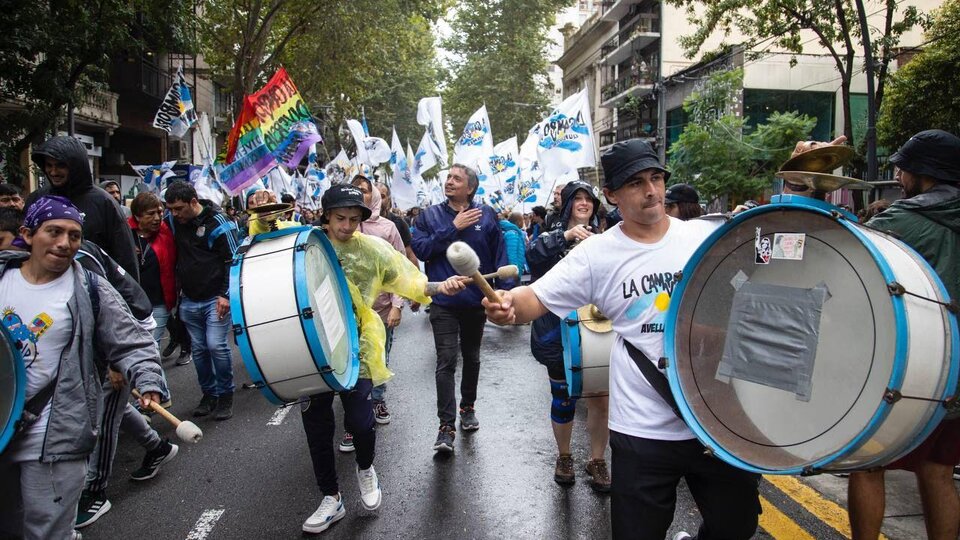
458,320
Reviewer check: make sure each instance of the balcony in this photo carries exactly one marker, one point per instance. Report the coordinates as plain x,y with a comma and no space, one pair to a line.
100,109
619,10
614,93
634,38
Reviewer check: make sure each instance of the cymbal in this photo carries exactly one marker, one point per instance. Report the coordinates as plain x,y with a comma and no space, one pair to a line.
821,159
273,208
593,320
822,181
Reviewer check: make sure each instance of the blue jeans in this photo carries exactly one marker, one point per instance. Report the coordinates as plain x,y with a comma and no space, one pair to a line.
379,391
209,346
160,314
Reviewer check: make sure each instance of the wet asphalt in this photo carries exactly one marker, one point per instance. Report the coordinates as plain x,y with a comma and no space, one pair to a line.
251,479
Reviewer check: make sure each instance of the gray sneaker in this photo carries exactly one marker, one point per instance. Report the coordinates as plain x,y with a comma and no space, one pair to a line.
468,419
445,439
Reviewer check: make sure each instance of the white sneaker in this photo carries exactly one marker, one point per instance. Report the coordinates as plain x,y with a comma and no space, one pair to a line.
369,488
682,535
330,511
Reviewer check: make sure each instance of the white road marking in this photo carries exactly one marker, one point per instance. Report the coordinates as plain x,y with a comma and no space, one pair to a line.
205,524
278,416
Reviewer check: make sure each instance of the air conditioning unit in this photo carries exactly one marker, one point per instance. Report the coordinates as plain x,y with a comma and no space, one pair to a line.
179,149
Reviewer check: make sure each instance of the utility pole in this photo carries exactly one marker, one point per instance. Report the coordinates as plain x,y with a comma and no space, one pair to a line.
871,137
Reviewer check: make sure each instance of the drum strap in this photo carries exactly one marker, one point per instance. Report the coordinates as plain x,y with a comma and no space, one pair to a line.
653,375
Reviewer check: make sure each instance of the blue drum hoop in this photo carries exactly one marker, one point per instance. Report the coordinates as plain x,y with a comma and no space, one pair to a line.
303,302
20,388
572,359
900,347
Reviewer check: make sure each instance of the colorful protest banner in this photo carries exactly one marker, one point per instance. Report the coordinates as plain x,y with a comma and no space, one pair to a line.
247,169
267,117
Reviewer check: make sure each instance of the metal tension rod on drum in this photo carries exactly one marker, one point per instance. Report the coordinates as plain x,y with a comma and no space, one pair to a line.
893,396
897,289
243,250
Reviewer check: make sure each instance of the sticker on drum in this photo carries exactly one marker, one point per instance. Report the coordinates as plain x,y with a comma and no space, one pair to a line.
587,342
13,387
784,367
293,315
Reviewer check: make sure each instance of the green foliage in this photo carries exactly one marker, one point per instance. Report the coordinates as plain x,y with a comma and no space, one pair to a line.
53,54
498,58
718,155
925,93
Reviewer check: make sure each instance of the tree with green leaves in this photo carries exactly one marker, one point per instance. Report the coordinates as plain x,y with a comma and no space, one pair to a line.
498,59
780,23
925,93
718,154
54,54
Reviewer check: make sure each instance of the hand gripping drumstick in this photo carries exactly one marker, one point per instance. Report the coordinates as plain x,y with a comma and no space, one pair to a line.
465,262
186,430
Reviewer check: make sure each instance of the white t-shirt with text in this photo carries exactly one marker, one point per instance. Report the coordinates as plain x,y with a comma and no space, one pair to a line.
631,283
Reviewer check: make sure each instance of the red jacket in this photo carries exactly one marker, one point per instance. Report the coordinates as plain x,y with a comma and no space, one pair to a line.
166,250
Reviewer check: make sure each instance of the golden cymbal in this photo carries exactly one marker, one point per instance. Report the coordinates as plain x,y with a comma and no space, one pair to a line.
593,320
821,159
272,208
822,181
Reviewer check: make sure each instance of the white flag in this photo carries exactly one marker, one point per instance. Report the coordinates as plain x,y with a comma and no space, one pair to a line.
402,190
338,170
424,159
371,151
429,114
565,139
475,144
176,113
533,190
504,165
356,131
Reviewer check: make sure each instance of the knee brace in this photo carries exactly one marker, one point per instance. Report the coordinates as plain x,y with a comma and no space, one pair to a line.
563,408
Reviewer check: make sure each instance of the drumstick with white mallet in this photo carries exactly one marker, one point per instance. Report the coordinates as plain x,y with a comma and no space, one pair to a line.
187,431
465,262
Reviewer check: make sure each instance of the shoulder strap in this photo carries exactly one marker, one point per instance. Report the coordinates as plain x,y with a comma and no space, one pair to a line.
93,290
653,375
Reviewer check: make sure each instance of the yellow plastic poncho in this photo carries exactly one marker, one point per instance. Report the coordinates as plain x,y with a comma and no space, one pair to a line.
372,266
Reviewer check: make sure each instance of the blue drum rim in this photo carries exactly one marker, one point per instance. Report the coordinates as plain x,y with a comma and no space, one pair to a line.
570,339
20,382
302,293
240,320
900,346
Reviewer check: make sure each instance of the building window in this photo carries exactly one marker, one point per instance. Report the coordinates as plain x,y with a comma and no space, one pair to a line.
758,105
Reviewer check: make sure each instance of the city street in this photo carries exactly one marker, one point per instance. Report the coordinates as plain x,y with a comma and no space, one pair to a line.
250,477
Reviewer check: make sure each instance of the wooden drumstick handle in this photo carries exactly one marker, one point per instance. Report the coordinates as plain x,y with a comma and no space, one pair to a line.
159,410
486,288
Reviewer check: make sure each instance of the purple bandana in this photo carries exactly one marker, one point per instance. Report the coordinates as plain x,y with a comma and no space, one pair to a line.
51,207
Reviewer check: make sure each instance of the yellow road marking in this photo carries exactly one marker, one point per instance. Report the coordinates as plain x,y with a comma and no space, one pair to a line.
779,525
826,511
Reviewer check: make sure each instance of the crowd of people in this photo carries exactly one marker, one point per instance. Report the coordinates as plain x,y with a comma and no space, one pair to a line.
88,285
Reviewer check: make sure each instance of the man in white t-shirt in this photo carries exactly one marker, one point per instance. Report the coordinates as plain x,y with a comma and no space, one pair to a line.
629,273
57,315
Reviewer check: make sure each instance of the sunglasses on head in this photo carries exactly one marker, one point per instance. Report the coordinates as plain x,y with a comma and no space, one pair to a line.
798,188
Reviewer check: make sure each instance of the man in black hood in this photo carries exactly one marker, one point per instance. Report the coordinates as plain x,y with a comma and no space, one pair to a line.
63,161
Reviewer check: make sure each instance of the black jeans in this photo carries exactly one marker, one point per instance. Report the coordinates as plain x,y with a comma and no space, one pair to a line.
645,474
320,425
451,326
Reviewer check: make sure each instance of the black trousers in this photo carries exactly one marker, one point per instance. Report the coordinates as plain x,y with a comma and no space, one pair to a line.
645,474
320,426
453,330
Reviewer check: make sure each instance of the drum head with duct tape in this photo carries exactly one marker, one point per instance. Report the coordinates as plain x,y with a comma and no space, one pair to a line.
780,338
13,386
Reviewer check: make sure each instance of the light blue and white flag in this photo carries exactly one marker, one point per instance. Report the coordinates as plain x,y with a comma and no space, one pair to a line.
176,113
565,139
475,144
425,158
371,151
504,165
402,190
429,114
534,190
339,168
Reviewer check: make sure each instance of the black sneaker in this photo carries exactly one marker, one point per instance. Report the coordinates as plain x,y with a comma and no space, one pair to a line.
184,358
468,419
380,413
207,404
445,439
224,410
168,350
93,504
154,460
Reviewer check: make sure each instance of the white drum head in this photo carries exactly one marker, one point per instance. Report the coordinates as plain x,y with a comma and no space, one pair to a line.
332,315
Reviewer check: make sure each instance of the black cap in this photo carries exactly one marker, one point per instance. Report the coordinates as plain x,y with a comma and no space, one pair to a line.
681,193
934,153
625,159
344,196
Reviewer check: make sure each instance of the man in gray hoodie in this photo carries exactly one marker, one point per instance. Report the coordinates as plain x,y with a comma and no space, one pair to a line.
58,314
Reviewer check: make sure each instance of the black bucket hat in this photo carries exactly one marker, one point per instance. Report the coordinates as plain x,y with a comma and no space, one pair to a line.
681,193
625,159
934,153
344,196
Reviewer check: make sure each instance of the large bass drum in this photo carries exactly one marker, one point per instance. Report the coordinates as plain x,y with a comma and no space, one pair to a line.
293,316
13,387
798,341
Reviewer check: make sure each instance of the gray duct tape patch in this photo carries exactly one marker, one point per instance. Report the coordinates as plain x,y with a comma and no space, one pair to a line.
772,336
